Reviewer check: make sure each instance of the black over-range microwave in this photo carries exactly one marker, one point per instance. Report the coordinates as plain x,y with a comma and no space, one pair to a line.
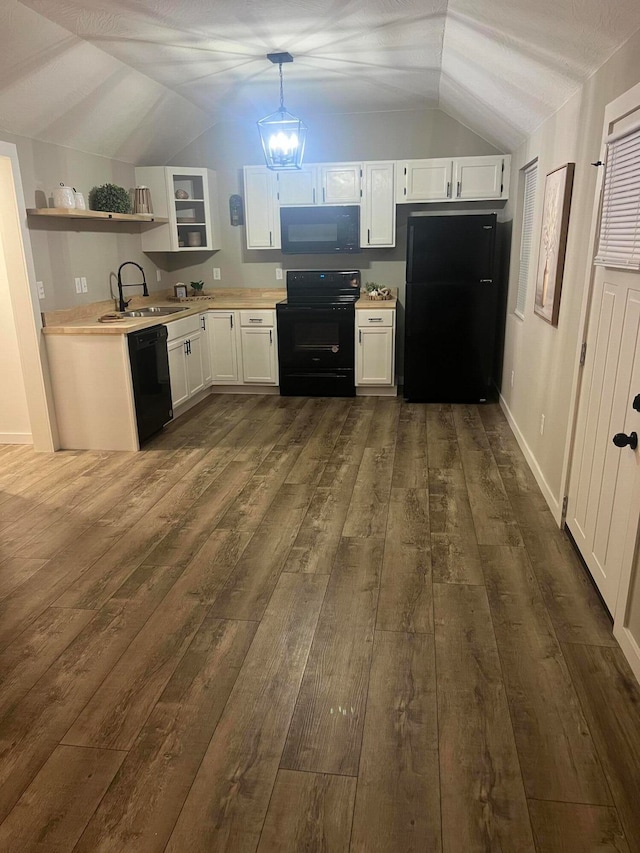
320,230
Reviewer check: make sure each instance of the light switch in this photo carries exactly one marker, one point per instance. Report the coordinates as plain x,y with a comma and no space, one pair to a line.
84,284
78,282
278,274
40,286
158,275
216,273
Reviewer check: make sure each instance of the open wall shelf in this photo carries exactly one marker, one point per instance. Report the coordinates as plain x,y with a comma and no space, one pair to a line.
63,213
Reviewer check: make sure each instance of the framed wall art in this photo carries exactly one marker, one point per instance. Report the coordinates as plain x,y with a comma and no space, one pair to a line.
553,242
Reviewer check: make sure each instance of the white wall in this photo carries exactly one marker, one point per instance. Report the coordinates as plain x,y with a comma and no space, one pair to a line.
66,249
542,358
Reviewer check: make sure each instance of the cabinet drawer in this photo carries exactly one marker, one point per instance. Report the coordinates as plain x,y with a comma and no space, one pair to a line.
371,317
257,318
183,327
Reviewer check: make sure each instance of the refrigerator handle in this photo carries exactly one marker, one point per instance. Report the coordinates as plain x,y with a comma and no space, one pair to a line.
410,254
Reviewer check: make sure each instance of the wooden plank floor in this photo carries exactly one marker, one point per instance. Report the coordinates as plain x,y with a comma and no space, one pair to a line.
305,625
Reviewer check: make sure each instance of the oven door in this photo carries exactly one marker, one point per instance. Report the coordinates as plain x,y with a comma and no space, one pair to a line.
316,337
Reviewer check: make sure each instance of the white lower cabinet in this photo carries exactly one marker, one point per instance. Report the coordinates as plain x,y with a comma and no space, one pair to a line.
243,347
223,347
178,372
259,347
375,346
184,346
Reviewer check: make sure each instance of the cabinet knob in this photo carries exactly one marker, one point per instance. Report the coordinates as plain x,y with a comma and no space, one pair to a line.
621,439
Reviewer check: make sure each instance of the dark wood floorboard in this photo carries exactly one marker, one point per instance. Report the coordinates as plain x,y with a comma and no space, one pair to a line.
320,625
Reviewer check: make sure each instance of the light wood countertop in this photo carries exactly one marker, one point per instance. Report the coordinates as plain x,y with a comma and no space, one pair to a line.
83,320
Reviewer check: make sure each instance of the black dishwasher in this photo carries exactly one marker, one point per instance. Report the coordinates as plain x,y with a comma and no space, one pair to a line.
150,375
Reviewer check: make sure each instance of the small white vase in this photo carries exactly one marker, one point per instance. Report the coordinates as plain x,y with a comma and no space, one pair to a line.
64,197
79,200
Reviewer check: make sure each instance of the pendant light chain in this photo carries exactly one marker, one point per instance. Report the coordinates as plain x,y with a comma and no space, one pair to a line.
282,109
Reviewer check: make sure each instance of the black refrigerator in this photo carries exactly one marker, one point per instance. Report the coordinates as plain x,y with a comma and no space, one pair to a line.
452,309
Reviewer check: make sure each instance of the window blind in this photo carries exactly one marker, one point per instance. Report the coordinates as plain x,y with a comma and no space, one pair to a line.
619,244
526,239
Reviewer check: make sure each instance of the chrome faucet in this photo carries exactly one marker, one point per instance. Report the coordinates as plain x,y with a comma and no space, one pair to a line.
122,302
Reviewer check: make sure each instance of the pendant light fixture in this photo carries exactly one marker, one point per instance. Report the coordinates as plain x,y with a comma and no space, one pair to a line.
282,135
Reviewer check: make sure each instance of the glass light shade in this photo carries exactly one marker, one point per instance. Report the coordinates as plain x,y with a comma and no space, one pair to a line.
283,138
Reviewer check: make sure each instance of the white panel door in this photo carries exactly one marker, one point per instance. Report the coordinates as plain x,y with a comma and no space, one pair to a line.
259,366
223,347
374,356
378,219
178,371
477,177
205,350
340,183
261,214
424,180
195,375
297,187
603,475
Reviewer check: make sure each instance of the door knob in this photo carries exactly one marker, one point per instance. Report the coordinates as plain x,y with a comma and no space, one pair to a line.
636,403
621,439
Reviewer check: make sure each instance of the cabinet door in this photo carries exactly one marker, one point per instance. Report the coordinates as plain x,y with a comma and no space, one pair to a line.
178,371
378,219
195,379
261,211
340,183
297,187
223,345
205,350
478,177
374,356
424,180
259,356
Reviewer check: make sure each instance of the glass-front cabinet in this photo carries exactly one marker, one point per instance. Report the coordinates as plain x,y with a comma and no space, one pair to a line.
188,198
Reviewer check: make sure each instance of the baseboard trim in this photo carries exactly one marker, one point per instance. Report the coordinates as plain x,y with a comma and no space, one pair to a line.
629,648
16,438
377,391
554,505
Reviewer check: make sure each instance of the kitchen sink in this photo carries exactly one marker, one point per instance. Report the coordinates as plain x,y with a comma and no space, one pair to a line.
153,312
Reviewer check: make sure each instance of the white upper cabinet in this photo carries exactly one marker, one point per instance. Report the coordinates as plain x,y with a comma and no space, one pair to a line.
188,198
330,183
424,180
378,207
298,187
454,179
340,183
478,177
262,217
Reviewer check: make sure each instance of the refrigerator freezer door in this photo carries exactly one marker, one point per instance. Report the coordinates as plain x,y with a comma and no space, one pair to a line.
450,248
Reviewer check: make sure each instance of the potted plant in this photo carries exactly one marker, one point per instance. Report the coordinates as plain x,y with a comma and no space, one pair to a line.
110,198
197,287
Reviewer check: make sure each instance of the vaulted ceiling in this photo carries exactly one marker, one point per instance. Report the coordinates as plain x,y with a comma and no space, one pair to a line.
139,79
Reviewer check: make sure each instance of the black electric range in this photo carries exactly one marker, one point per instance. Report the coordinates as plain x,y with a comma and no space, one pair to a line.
316,333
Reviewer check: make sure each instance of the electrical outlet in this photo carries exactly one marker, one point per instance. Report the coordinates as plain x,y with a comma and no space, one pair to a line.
278,274
541,424
512,375
84,284
40,286
78,282
216,273
158,275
